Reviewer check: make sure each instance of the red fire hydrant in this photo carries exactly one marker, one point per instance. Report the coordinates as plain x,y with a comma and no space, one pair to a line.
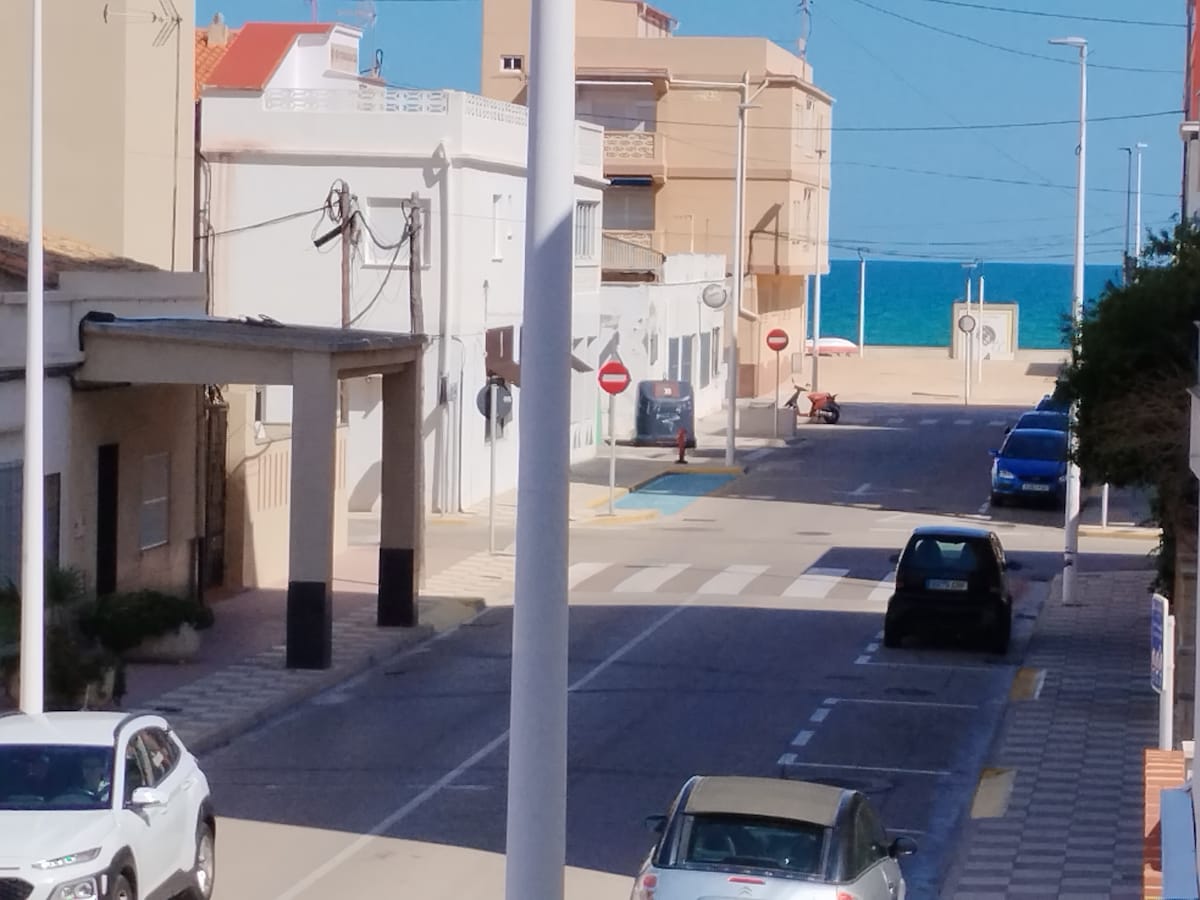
681,443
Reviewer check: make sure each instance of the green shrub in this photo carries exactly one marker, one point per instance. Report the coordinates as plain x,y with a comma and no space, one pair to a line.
121,622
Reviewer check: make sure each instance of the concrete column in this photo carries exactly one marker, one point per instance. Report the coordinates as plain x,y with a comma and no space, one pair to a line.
400,507
310,547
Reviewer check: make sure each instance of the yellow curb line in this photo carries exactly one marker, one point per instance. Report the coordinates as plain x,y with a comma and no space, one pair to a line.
617,495
1145,534
642,515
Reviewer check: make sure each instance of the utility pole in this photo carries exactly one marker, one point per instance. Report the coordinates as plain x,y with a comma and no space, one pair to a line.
416,308
816,338
862,300
1128,199
344,219
417,326
1137,209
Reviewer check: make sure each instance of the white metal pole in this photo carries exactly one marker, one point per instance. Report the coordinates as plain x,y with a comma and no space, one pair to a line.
1137,207
979,328
33,554
1071,512
816,338
1166,699
612,453
493,397
862,302
537,763
778,375
968,341
739,224
1128,201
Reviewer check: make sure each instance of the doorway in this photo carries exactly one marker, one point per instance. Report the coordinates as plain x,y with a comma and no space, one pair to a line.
106,519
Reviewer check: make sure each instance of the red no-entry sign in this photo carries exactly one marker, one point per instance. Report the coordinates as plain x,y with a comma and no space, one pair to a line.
777,339
613,376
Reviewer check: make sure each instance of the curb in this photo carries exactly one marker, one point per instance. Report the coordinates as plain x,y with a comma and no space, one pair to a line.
640,515
1126,532
405,642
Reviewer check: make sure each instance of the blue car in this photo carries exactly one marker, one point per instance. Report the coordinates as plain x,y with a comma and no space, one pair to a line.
1042,418
1030,464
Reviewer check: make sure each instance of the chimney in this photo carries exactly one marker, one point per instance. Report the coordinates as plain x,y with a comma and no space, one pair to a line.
218,32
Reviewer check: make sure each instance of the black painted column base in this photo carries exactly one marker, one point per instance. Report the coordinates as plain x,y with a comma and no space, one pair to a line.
397,589
309,625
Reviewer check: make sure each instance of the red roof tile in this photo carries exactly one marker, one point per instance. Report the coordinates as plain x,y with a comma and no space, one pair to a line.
208,57
250,61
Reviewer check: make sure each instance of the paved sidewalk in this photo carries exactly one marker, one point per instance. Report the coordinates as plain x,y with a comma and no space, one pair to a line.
1072,751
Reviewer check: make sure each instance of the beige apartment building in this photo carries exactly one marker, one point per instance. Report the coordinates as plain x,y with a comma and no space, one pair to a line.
118,124
670,149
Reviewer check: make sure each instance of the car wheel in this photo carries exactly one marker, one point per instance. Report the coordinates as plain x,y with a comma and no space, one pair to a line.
122,889
834,415
997,499
999,638
892,636
205,872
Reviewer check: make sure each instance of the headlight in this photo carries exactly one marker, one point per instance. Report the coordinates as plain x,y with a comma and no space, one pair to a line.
71,859
83,889
1006,475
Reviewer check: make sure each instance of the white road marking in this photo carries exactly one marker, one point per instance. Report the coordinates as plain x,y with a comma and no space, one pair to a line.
985,507
962,421
732,579
872,647
891,771
581,572
835,700
866,661
884,589
896,421
929,421
348,852
861,489
862,660
996,423
818,715
815,584
879,635
649,579
757,454
802,738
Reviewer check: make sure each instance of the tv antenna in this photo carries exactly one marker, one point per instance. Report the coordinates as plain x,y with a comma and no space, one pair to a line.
167,17
805,10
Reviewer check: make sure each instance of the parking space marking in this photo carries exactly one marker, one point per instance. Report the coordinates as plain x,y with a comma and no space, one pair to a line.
962,421
833,701
789,759
819,715
996,423
966,667
802,738
929,421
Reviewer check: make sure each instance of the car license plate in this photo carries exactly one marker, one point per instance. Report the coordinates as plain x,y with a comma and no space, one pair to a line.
1035,487
945,584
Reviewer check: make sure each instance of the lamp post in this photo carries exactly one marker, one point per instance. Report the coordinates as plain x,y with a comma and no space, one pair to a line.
1137,208
1071,514
1128,199
745,104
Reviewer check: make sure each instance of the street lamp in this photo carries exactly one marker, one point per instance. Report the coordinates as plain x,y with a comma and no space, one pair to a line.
1137,207
1071,514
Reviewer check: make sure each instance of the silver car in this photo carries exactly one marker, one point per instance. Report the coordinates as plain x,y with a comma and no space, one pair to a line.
738,838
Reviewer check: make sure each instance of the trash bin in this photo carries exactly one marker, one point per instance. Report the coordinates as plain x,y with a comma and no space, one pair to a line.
663,407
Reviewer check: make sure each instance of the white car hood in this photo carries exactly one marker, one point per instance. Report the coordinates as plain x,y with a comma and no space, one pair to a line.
29,836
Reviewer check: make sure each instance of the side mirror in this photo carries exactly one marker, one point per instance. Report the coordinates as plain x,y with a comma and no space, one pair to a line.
894,558
656,823
902,846
146,796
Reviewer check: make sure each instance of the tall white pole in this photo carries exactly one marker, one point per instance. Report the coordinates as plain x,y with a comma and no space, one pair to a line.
537,763
979,356
493,437
1137,206
1071,512
862,302
33,554
612,453
1128,200
816,338
739,276
968,345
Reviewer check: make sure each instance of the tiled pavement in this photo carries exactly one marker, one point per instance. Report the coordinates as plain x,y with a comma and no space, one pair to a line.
1072,829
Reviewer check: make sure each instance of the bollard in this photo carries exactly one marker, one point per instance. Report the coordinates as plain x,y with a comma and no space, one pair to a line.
681,443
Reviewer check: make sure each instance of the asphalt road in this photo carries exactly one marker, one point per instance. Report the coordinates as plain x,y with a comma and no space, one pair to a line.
741,635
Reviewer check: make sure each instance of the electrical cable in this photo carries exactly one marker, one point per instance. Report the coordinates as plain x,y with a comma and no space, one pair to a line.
265,223
1050,15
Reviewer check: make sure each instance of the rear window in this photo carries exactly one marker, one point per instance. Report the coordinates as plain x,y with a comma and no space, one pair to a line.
946,554
1025,445
780,845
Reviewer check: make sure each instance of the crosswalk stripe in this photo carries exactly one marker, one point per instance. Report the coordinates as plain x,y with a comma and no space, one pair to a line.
896,421
581,572
962,421
929,421
884,589
650,578
815,584
731,580
996,423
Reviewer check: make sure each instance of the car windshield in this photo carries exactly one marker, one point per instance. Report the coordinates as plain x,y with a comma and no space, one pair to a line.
49,776
1026,445
781,845
945,554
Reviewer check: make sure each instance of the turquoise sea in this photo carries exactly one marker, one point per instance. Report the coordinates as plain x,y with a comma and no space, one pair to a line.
908,303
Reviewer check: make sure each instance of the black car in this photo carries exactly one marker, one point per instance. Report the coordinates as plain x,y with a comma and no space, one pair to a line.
952,578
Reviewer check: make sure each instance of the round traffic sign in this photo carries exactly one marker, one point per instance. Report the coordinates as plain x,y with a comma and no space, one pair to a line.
777,339
966,323
504,401
613,376
714,296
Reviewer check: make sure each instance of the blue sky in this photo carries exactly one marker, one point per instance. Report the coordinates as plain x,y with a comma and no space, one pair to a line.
884,73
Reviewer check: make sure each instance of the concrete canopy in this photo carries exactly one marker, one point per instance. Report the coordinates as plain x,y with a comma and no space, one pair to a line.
312,359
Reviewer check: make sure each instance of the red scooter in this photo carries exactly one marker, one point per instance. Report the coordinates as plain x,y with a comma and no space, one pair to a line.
823,405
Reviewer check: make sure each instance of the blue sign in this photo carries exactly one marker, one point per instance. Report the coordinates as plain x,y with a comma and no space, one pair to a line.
1158,627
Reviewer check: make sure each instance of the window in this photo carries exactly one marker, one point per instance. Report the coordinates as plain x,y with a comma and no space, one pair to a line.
388,218
705,358
161,753
783,845
585,229
685,366
716,352
11,477
629,209
154,521
498,226
512,63
797,126
869,842
673,359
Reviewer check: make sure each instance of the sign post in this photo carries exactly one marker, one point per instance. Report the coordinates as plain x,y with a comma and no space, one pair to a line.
777,340
613,378
966,324
494,402
1162,667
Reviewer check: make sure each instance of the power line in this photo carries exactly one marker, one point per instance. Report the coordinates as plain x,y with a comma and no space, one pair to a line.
1049,15
265,223
1027,53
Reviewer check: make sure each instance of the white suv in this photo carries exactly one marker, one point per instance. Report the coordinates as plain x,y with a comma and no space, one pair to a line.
74,826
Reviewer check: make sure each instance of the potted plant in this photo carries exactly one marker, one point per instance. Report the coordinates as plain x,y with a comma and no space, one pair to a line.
148,625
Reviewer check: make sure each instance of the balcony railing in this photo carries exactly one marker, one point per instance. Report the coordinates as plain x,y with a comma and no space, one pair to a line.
634,153
630,251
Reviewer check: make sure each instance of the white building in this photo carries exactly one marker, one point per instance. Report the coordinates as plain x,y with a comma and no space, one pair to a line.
663,331
277,141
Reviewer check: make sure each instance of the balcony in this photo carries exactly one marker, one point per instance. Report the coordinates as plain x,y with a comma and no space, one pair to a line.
630,154
630,256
